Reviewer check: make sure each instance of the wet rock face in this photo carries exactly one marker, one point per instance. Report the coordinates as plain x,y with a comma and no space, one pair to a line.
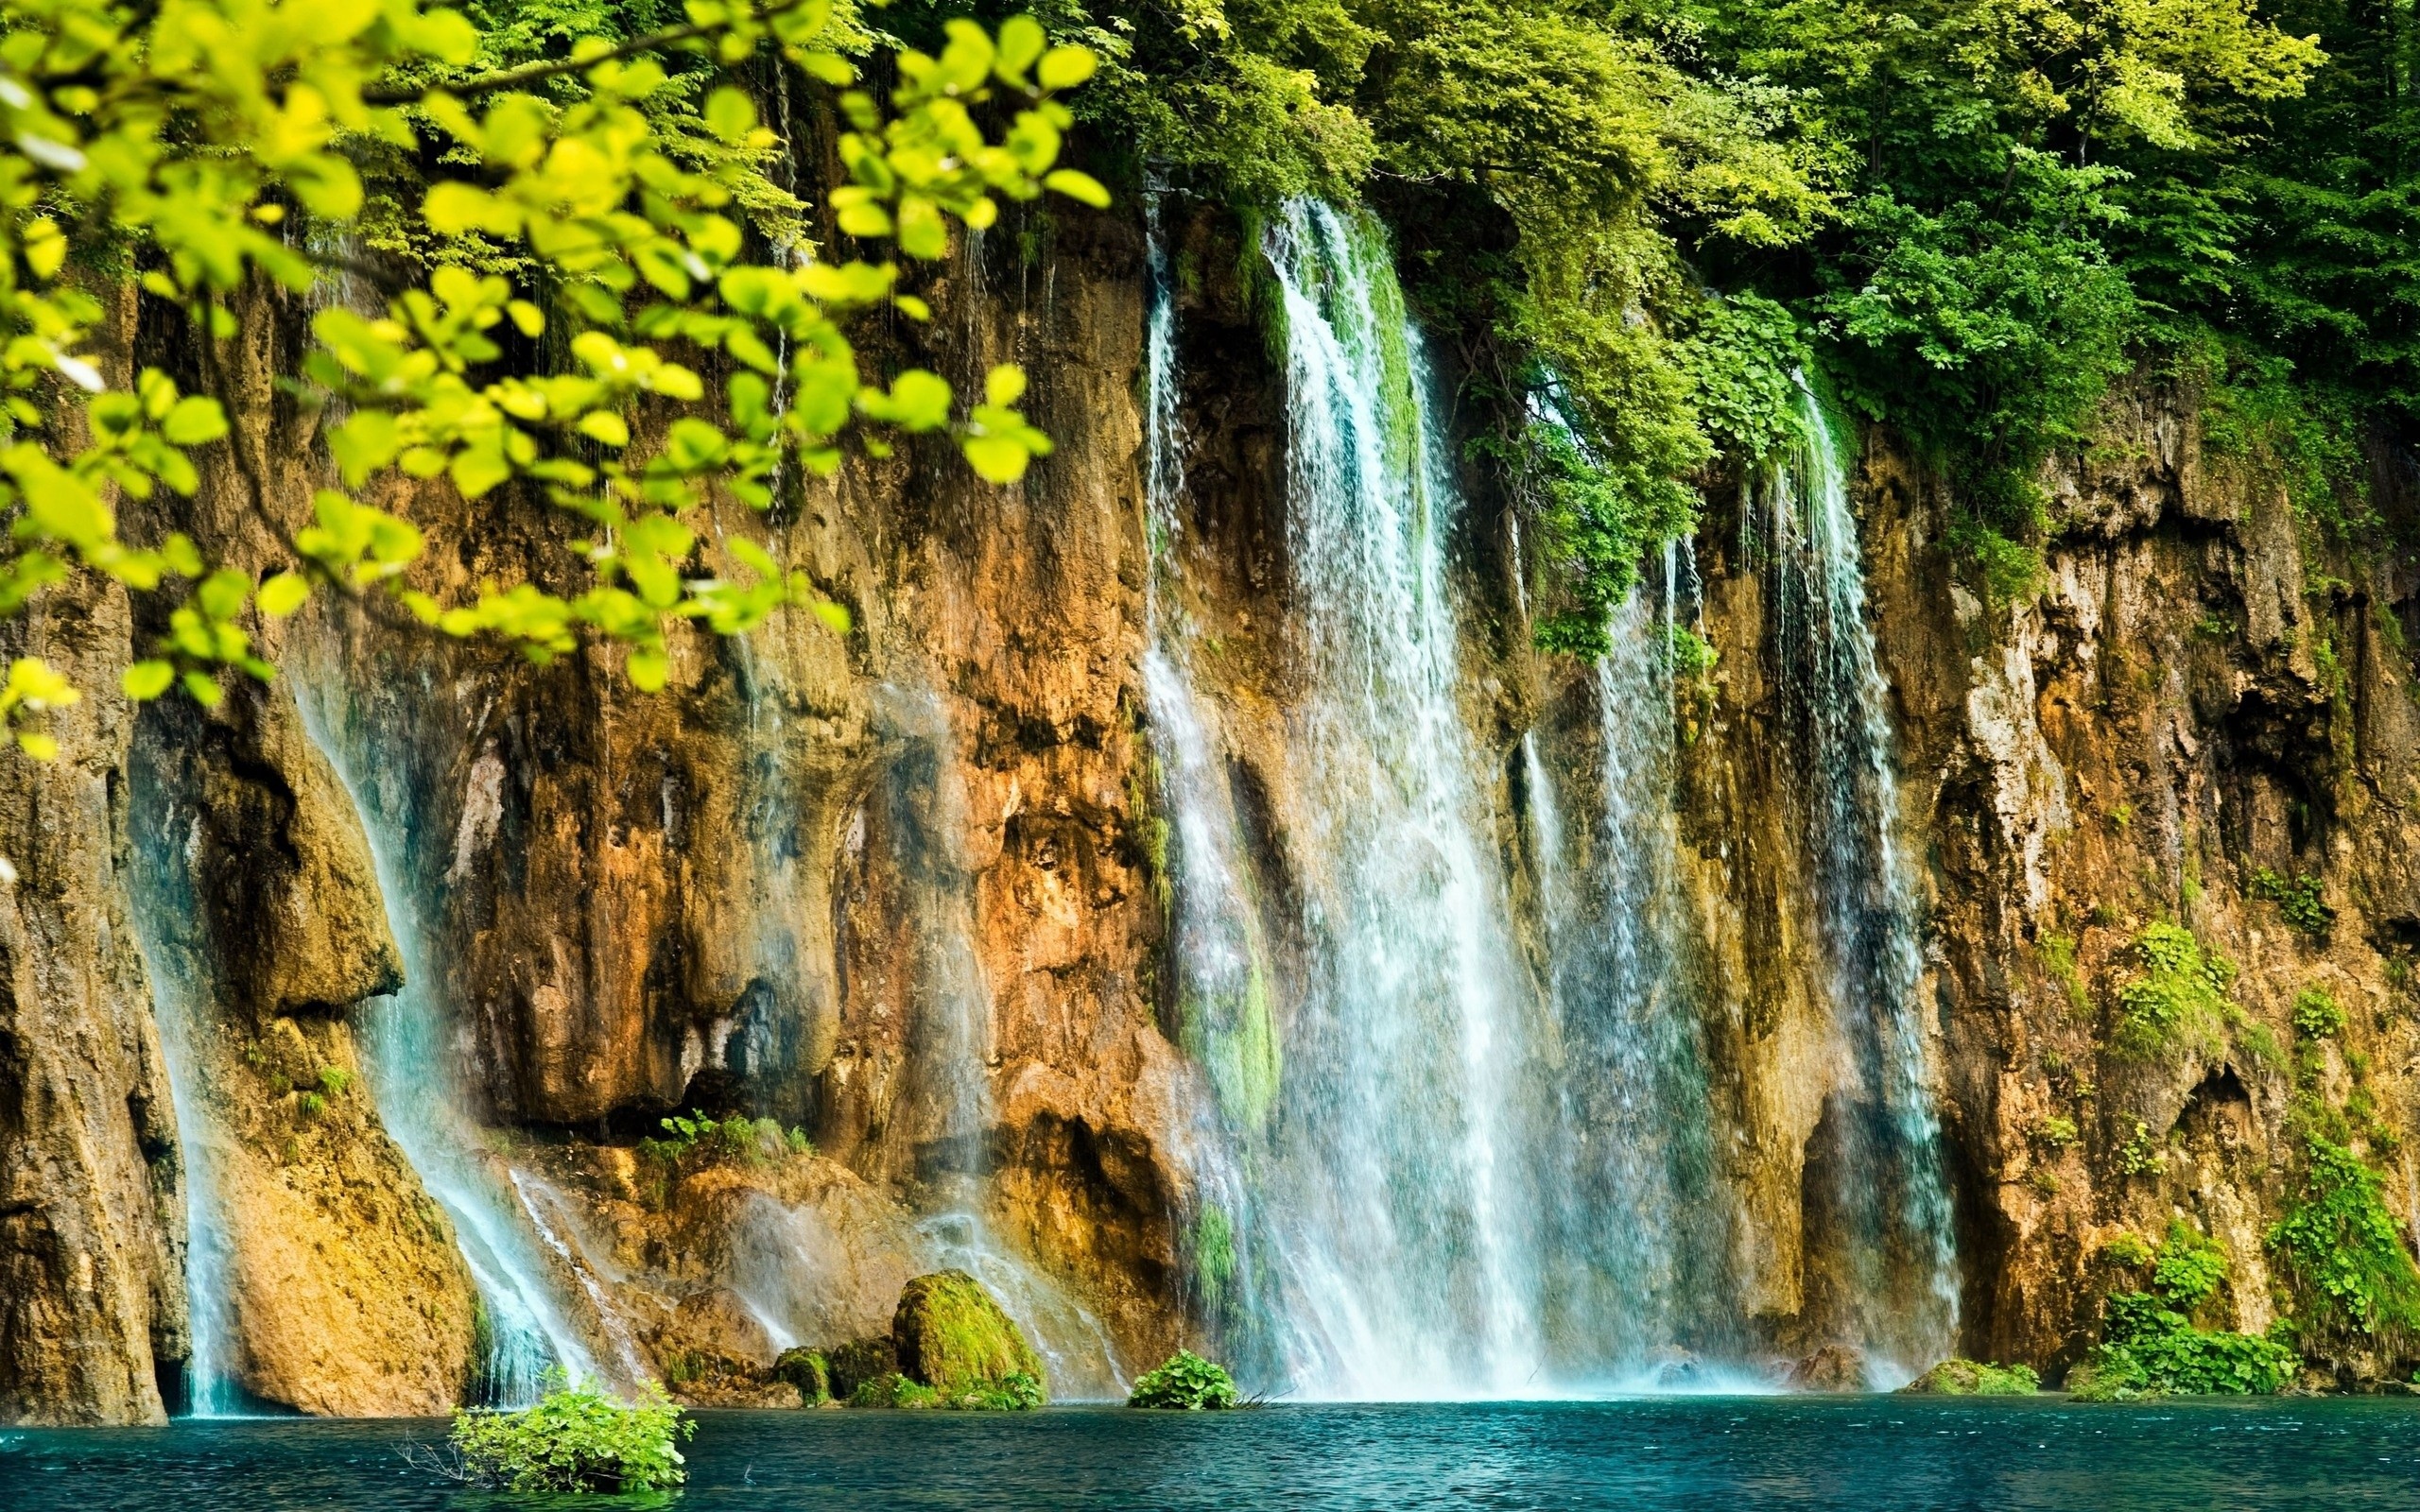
341,1291
92,1214
2205,715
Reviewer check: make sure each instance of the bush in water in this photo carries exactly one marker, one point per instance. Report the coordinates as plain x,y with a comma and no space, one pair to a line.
1187,1382
575,1439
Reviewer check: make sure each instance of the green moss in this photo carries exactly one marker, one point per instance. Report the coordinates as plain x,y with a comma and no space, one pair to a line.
891,1389
1974,1378
1186,1383
950,1336
849,1366
1214,1260
809,1371
2058,954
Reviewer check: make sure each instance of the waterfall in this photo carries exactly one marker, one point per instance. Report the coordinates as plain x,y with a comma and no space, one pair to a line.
165,914
412,1075
1888,1198
1399,1163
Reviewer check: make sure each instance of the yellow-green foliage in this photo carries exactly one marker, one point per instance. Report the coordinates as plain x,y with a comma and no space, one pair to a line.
2177,992
2342,1249
2150,1346
952,1337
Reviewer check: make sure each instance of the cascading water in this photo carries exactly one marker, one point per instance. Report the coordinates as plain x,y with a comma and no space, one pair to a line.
1635,1218
410,1073
1888,1203
165,914
1398,1171
1459,1185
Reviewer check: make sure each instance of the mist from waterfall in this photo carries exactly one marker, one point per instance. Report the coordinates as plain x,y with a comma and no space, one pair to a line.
1887,1202
411,1071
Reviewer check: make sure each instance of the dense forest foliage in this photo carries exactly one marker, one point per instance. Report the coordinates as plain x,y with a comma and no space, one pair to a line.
1977,215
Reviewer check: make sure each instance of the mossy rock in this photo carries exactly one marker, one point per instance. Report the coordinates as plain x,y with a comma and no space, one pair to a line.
809,1372
950,1335
1974,1378
849,1365
891,1389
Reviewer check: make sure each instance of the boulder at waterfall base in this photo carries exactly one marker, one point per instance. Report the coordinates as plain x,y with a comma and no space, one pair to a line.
950,1336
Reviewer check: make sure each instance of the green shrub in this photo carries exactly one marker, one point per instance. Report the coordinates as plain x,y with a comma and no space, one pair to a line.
1187,1382
2149,1347
2317,1014
2056,1132
575,1439
2343,1251
746,1141
2178,991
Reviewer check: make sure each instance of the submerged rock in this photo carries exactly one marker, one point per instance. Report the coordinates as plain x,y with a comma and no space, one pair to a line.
950,1336
1833,1367
1976,1378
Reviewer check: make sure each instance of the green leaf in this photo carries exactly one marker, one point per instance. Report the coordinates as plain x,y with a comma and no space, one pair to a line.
649,666
606,426
283,593
1065,67
1082,187
195,420
1004,385
729,113
145,680
1021,43
996,459
203,689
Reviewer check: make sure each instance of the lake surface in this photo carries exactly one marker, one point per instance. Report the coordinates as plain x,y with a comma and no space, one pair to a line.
1866,1453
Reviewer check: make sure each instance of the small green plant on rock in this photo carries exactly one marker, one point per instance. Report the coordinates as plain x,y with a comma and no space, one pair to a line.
2055,1132
2178,991
334,1080
1186,1383
2297,898
575,1439
2317,1014
2343,1251
746,1141
2141,1155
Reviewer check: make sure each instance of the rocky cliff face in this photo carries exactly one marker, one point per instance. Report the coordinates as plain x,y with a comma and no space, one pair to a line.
895,889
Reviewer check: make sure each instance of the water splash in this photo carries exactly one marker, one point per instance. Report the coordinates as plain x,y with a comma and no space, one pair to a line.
412,1075
1888,1198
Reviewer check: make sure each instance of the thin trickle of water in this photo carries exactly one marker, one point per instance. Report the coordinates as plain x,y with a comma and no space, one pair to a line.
1401,1163
411,1072
163,913
953,1057
1889,1193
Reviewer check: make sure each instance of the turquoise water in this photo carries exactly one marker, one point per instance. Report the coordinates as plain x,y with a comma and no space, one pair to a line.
1866,1453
